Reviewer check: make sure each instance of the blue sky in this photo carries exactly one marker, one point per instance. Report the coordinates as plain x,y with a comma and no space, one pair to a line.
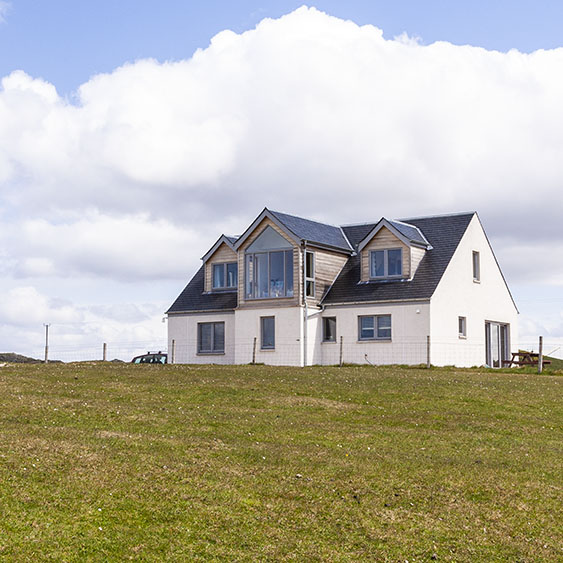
107,157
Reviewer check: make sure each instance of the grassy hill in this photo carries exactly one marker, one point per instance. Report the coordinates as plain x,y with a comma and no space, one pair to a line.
252,463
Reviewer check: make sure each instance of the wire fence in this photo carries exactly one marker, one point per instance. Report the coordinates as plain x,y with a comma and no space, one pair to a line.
289,351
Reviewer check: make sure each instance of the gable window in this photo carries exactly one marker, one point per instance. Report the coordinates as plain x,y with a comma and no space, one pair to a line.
329,329
269,274
225,275
386,263
462,327
210,338
309,274
476,267
374,327
267,333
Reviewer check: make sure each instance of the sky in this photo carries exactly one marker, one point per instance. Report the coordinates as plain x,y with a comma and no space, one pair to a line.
133,134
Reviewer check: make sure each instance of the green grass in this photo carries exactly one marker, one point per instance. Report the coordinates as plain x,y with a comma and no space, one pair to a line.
253,463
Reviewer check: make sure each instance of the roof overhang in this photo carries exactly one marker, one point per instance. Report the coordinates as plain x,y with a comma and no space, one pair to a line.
388,225
222,239
266,214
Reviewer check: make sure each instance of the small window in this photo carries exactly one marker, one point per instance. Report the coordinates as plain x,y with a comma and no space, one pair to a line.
211,338
329,329
386,263
225,275
476,267
310,274
374,327
462,327
268,333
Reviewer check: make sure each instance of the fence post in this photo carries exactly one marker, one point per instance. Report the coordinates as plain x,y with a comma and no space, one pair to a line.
47,342
341,355
428,352
540,356
173,354
105,352
254,351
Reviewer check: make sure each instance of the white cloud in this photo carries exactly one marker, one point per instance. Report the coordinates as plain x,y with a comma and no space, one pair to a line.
307,114
25,306
131,247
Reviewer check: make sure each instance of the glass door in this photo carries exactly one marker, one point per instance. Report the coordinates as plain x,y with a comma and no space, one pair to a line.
496,344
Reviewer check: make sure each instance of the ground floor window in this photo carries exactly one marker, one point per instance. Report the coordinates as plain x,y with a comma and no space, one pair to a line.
329,329
374,327
462,327
268,333
211,338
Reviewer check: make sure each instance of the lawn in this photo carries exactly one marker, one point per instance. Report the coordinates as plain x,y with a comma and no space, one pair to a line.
252,463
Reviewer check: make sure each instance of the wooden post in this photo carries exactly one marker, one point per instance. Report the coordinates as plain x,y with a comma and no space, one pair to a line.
173,352
540,356
428,364
46,343
254,351
105,352
341,355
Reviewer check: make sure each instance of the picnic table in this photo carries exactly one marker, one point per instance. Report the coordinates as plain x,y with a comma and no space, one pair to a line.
523,358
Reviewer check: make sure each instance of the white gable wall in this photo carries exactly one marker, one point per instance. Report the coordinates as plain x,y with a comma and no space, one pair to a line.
458,295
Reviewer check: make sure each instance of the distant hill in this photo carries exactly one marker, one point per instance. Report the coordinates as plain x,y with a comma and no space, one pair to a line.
12,358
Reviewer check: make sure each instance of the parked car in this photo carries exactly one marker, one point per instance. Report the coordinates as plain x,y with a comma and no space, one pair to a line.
151,358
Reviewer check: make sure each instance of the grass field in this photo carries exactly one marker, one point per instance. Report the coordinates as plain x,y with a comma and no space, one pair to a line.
105,462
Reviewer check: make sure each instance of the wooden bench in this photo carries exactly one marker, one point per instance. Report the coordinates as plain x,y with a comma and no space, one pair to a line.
523,358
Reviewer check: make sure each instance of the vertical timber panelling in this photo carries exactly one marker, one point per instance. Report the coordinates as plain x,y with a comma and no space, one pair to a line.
281,301
222,254
327,266
417,254
385,239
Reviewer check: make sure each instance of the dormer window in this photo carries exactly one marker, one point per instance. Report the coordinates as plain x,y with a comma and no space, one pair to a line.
225,275
386,263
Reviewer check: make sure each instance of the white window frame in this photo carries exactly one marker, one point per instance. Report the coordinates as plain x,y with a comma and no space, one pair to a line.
225,275
326,320
462,327
385,263
310,280
476,257
375,329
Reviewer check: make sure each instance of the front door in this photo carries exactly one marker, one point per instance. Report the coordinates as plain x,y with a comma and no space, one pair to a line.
496,344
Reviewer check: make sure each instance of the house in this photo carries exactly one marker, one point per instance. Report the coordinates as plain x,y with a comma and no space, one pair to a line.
291,291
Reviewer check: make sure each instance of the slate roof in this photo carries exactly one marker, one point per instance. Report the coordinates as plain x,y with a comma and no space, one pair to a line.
442,232
411,232
193,298
313,231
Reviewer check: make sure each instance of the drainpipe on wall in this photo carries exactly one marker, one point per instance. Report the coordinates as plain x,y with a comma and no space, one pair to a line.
305,309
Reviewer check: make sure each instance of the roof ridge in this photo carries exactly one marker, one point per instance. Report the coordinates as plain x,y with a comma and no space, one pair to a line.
304,219
439,215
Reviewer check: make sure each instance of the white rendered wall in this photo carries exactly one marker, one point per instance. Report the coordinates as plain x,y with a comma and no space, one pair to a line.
183,329
410,324
288,338
457,295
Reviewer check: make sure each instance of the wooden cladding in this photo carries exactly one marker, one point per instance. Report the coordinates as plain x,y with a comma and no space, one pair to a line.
297,281
385,240
221,255
327,266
